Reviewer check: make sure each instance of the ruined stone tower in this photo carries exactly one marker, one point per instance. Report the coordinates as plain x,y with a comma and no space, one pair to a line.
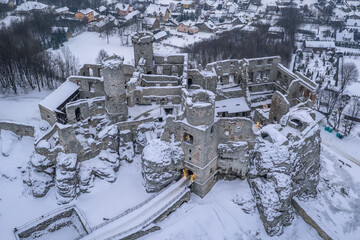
199,140
114,88
143,51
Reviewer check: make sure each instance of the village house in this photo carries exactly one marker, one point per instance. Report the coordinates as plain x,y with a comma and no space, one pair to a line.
187,27
158,11
319,46
123,9
88,14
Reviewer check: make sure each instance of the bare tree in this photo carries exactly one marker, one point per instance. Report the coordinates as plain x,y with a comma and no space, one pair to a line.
352,114
101,56
330,99
349,74
337,115
70,61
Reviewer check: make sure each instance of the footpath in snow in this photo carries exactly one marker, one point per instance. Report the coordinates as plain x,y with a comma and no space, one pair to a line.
141,217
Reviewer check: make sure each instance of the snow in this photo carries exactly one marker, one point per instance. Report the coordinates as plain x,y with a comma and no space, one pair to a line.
179,39
337,208
353,88
135,218
87,45
60,95
320,44
31,5
23,107
217,216
232,105
8,20
18,206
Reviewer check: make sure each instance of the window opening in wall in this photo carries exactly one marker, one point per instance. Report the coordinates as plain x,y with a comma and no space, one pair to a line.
168,111
91,87
297,122
188,138
190,82
212,130
77,114
159,69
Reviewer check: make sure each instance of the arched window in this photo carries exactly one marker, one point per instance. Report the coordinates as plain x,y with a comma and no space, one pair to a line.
188,138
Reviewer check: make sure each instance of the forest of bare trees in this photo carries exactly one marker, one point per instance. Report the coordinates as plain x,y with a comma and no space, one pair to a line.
243,44
25,63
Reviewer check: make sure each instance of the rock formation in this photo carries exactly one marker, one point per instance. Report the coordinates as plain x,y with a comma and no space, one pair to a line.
161,164
285,163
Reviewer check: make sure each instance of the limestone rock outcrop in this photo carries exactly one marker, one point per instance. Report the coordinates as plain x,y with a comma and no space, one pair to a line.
161,164
66,180
285,163
103,166
40,175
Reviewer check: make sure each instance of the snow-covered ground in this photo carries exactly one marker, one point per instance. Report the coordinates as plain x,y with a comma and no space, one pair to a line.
18,206
87,45
180,39
22,108
216,216
337,207
354,88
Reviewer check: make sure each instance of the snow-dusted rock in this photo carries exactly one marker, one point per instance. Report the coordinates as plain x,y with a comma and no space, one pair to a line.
40,175
66,177
161,164
143,133
103,166
285,163
126,146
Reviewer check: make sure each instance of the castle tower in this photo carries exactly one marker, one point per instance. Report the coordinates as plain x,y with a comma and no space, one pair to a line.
199,140
143,50
114,87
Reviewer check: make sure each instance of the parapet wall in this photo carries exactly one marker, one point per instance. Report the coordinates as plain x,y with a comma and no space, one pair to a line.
17,128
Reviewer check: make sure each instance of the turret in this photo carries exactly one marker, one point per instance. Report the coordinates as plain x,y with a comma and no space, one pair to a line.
143,50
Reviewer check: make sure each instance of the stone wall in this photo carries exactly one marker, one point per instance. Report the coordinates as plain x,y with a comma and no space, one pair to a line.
19,129
89,86
90,70
279,107
309,220
68,217
85,108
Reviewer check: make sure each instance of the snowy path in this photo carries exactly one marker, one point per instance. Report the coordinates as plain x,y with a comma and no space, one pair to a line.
141,217
333,148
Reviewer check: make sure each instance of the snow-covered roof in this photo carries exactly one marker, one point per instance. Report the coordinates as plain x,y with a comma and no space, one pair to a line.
187,23
232,105
102,8
60,95
61,10
153,8
353,22
131,15
149,21
276,29
320,44
345,35
160,35
86,11
122,6
54,29
210,25
31,5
